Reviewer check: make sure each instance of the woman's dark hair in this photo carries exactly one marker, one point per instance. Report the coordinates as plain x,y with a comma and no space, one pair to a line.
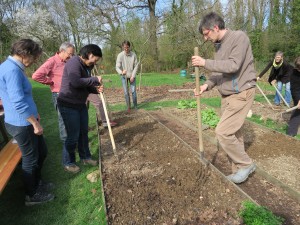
90,49
210,20
26,47
126,43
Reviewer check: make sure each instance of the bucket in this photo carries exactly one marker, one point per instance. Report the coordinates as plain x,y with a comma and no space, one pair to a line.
183,73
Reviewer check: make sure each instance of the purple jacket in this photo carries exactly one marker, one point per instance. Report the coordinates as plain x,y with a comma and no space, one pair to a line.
76,83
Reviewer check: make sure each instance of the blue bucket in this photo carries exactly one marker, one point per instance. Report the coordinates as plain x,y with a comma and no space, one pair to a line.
183,73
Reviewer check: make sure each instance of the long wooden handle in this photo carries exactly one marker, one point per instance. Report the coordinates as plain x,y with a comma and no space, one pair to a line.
140,77
108,123
196,53
181,90
281,95
106,114
264,95
291,109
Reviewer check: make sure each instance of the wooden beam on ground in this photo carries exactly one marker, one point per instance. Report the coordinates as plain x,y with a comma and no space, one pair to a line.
181,90
10,156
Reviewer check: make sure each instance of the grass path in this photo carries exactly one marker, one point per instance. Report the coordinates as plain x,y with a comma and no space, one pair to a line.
77,200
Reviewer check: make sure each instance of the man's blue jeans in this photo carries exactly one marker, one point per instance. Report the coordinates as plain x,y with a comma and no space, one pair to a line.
61,127
132,87
34,151
287,94
76,124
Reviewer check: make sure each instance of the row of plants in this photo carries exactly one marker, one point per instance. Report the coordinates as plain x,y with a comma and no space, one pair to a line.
210,117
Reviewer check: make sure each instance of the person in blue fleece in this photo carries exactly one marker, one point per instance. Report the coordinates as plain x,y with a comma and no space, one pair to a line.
22,120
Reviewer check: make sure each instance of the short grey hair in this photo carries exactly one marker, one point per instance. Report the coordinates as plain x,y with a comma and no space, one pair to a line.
279,53
65,45
210,20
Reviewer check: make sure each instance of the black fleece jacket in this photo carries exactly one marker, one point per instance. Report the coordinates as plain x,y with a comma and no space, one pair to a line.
282,74
295,86
76,84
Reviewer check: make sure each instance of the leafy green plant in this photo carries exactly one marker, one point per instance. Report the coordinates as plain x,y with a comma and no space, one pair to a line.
253,214
210,117
185,104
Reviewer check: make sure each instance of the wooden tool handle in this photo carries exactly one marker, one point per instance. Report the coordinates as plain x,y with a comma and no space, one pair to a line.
261,91
291,109
196,53
108,123
278,92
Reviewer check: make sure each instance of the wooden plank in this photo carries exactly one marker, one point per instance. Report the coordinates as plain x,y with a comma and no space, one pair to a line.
7,153
180,90
10,156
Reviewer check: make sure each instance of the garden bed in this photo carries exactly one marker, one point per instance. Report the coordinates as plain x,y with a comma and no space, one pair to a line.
157,179
275,184
276,153
276,190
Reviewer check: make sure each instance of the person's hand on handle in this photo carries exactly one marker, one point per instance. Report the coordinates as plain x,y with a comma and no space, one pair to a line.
198,61
124,72
257,78
132,79
100,89
202,89
273,82
99,79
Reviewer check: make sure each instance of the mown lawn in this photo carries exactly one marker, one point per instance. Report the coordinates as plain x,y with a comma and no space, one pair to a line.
77,200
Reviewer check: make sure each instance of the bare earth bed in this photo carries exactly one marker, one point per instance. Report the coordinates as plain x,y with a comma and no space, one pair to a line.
276,153
156,179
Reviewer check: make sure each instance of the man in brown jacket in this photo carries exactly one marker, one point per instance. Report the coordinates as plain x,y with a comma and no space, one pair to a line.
234,75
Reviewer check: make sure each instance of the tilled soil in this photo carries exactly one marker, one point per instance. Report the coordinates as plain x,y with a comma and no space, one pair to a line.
156,179
276,153
155,162
282,201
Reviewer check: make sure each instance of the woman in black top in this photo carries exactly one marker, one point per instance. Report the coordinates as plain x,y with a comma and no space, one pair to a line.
280,73
76,85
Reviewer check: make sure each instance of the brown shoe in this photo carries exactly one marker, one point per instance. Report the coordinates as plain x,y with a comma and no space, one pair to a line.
72,169
90,162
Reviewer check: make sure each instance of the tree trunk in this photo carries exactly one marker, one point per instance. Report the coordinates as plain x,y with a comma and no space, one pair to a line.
153,37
